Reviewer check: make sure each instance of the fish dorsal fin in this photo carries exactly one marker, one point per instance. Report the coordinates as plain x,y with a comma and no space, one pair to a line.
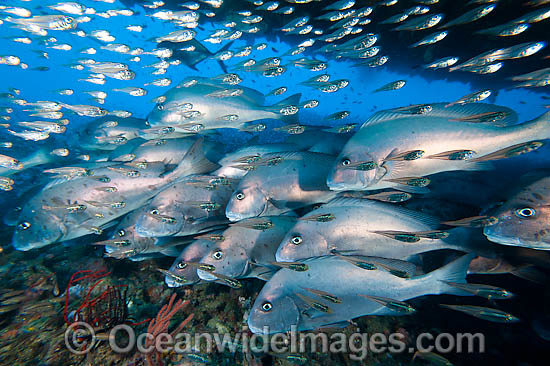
458,112
348,202
291,100
314,157
455,112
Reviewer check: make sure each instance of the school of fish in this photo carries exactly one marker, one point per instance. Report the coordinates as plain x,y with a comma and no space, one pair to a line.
316,213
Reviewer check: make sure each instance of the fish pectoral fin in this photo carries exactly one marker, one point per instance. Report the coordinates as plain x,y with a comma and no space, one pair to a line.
478,165
263,275
292,100
394,168
278,204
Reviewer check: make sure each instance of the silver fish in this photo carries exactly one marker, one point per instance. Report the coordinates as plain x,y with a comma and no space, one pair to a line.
171,214
523,219
38,228
246,252
209,111
366,227
432,135
278,183
280,306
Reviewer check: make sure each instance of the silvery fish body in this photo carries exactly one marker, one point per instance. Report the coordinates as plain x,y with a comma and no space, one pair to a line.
278,307
524,220
248,153
294,180
202,106
125,242
358,227
182,272
176,211
169,151
247,251
431,134
68,209
108,133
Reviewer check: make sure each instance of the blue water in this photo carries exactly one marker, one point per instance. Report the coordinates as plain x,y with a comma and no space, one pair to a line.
357,97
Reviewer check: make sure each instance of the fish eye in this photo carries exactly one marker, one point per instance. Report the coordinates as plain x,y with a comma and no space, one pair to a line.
181,265
218,254
266,306
525,212
24,225
160,107
154,211
296,240
121,232
346,162
240,196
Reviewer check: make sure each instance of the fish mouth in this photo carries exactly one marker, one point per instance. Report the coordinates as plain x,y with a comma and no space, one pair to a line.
336,186
255,330
205,275
516,242
284,253
291,308
344,185
234,216
172,283
503,240
29,245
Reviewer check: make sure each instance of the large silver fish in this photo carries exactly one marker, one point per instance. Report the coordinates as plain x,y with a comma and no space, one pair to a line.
524,220
281,304
68,209
365,227
248,154
391,148
39,157
205,104
108,133
169,151
126,243
185,208
248,248
183,271
283,182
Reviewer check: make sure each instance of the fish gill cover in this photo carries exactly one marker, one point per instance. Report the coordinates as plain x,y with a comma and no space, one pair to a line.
307,163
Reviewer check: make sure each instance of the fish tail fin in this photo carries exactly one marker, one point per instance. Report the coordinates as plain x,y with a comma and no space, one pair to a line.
40,157
223,49
454,271
466,240
544,120
529,273
194,162
171,252
293,100
12,20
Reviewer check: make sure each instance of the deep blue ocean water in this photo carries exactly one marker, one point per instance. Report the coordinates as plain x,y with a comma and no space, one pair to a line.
358,97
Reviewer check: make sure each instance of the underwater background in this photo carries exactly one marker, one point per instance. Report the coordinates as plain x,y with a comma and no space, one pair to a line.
45,288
